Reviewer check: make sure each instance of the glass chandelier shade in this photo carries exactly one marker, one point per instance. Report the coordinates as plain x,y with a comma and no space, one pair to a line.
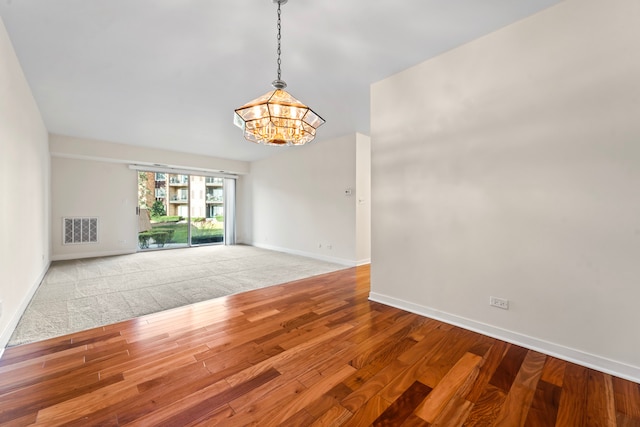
277,118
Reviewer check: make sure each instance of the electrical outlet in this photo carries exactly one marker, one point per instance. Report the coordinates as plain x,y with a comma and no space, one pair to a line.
499,302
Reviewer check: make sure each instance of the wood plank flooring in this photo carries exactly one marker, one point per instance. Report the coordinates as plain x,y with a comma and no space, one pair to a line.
315,352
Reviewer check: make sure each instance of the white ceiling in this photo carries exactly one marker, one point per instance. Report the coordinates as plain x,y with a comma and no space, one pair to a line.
169,73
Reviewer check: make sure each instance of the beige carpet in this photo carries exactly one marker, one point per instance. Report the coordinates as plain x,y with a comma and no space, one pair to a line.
82,294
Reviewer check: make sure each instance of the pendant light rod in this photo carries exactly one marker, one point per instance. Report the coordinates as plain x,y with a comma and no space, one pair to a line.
279,83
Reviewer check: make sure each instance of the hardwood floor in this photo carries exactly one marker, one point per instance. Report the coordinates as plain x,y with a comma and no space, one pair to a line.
312,352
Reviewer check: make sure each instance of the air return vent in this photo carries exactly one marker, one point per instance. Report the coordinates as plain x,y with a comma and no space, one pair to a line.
79,230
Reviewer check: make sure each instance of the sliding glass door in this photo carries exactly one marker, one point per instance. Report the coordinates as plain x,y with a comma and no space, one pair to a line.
207,210
179,210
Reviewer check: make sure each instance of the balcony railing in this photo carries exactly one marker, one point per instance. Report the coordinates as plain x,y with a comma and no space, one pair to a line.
180,180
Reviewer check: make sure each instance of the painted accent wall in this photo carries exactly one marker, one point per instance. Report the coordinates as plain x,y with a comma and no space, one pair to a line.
297,201
24,190
510,167
92,178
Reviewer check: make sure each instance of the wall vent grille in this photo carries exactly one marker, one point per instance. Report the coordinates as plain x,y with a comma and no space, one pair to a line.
78,230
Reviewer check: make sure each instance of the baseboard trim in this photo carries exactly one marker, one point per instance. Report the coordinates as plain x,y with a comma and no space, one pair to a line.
363,262
599,363
341,261
65,257
13,323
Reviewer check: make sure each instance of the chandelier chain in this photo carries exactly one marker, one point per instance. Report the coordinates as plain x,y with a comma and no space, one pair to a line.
279,37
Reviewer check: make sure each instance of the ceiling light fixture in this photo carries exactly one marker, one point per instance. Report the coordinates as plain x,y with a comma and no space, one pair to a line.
277,118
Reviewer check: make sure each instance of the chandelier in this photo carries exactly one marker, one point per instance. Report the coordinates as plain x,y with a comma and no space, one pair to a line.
277,118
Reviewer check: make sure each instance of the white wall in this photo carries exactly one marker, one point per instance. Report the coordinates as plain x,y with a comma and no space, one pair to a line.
91,149
92,178
90,188
295,201
363,199
24,191
511,167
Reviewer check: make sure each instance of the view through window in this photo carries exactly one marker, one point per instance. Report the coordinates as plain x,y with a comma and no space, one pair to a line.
178,210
